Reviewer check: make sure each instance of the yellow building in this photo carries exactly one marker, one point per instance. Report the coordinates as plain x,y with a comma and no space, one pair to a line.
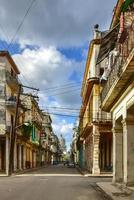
117,96
30,132
95,125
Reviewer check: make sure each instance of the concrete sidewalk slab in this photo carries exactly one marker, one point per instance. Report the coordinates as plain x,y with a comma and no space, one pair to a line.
116,192
87,174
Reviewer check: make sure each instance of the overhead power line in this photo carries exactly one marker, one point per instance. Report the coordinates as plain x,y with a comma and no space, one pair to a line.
21,23
63,86
62,90
66,92
63,108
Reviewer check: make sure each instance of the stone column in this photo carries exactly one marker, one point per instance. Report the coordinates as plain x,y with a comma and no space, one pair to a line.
15,156
7,155
35,162
96,141
24,157
117,155
30,157
128,151
0,157
20,157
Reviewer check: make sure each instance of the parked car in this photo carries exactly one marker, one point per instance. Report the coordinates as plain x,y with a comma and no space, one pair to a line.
66,162
71,165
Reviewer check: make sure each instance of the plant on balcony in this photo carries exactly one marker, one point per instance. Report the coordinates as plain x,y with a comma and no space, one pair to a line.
26,130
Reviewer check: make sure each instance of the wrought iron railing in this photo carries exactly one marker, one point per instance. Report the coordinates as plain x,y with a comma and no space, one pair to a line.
10,100
97,116
124,51
11,78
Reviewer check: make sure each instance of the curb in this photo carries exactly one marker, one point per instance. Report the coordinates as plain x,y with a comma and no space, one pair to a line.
27,170
92,175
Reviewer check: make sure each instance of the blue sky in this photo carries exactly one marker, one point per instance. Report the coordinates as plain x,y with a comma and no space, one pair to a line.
50,49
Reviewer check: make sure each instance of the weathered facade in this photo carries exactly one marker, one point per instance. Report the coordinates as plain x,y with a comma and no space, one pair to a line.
74,149
118,91
8,91
31,130
48,131
95,141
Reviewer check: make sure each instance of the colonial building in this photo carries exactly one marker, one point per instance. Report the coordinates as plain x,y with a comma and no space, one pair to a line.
95,139
32,128
48,131
74,150
56,151
117,55
8,91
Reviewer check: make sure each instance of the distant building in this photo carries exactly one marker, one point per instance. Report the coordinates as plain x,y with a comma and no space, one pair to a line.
62,144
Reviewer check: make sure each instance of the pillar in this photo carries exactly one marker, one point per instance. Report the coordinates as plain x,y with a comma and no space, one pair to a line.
0,157
30,155
128,151
7,155
117,154
96,141
24,157
15,156
20,157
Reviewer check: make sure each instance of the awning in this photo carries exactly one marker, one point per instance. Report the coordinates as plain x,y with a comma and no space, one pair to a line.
108,43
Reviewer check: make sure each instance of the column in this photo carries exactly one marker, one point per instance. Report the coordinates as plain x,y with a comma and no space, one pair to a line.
15,156
20,157
30,151
128,151
24,157
117,155
96,141
7,155
0,157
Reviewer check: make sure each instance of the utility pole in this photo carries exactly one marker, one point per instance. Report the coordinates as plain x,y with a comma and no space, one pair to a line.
13,129
13,134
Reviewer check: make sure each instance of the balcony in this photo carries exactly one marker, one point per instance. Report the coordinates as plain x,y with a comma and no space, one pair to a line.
122,72
11,102
12,80
87,91
99,118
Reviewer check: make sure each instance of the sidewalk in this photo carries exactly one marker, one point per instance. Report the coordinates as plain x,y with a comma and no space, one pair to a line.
30,170
23,171
87,174
117,192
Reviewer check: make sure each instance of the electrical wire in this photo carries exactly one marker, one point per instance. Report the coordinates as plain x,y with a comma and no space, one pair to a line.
60,90
73,84
66,92
21,23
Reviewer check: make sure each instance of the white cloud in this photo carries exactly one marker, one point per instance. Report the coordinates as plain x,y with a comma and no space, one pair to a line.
48,68
61,23
64,128
49,26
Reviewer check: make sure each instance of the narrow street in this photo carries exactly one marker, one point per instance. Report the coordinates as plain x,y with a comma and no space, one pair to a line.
51,183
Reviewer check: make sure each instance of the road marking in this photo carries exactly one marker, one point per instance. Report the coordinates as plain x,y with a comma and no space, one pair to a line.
36,175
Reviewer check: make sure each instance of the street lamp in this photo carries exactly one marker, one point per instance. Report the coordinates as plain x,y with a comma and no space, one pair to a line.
25,123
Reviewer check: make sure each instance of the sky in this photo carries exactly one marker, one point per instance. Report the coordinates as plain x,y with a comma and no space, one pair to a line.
49,41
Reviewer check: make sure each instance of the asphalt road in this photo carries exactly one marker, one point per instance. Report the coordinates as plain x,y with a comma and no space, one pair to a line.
51,183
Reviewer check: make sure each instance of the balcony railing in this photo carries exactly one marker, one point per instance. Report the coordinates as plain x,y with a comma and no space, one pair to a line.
124,51
11,79
97,117
10,100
